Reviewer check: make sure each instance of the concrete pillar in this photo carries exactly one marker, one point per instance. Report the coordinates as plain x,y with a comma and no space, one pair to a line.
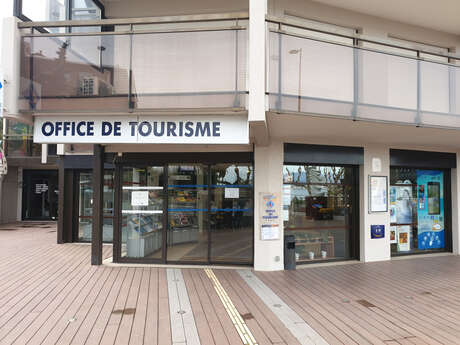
268,162
10,57
373,249
256,66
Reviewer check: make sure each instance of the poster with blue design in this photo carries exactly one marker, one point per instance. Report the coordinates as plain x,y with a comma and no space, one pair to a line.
430,218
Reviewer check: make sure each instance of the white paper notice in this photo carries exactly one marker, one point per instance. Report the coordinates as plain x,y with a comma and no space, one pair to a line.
140,198
270,232
232,193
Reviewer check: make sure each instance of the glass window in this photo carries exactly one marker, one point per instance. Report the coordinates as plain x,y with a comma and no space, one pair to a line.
142,212
317,210
417,210
85,206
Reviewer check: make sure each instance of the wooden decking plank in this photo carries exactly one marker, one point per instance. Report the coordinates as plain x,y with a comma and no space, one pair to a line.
219,310
103,317
71,313
164,327
35,319
202,324
268,321
151,322
111,329
218,334
140,316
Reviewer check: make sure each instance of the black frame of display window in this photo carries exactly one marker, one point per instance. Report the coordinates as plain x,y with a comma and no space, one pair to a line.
164,160
354,236
447,213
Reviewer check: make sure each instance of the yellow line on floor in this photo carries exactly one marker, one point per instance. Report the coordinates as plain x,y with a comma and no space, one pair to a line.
241,327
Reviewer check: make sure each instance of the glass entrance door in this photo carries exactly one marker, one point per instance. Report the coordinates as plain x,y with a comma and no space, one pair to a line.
142,221
187,213
188,191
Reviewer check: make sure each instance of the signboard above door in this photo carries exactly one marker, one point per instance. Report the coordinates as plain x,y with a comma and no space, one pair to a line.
142,129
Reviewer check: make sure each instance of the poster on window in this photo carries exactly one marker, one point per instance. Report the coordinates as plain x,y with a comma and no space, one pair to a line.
430,218
403,205
403,233
393,204
393,234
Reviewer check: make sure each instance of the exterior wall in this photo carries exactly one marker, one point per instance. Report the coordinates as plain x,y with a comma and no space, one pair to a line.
367,24
147,8
268,163
9,195
373,249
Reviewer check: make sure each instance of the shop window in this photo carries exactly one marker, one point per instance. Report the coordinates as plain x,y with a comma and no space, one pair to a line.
417,210
318,210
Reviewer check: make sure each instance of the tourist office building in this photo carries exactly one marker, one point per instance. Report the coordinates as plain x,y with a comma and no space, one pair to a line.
195,132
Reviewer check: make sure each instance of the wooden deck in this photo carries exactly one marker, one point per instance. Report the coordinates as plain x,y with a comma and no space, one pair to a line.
50,294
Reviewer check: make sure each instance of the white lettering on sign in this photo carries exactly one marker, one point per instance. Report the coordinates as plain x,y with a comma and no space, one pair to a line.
218,129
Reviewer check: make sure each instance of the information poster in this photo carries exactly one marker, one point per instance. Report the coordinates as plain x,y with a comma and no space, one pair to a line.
403,232
378,194
430,218
140,198
403,205
269,216
393,204
393,234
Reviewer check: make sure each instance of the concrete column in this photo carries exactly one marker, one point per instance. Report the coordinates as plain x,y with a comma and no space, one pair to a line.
256,70
455,190
268,173
373,249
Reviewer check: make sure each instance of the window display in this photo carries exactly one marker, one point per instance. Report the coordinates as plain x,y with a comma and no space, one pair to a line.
317,210
417,210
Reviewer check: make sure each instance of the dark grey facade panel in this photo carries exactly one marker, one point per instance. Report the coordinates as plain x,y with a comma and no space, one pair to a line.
323,154
422,159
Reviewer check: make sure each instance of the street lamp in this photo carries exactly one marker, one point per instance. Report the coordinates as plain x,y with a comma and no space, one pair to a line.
294,52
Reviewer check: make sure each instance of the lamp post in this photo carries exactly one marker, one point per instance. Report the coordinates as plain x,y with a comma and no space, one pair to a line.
299,96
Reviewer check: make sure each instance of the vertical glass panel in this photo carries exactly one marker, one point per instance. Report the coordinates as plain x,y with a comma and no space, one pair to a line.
231,217
85,206
316,71
417,211
40,195
189,69
188,213
142,212
434,84
317,204
93,73
85,10
387,80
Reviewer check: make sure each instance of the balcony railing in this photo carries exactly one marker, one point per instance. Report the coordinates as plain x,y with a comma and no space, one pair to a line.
177,63
363,80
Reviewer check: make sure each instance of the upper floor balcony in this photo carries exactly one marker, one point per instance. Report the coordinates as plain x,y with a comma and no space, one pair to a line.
142,64
357,77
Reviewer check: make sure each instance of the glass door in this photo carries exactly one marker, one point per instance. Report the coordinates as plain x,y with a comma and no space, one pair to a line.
188,235
85,206
231,217
142,210
40,197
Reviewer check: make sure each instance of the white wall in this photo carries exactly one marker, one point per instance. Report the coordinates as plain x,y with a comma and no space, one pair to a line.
268,173
373,249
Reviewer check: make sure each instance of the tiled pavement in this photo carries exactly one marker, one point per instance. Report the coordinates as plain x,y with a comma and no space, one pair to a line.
50,294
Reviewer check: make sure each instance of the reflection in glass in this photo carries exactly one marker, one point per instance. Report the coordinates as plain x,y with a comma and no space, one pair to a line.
231,214
142,212
187,213
317,210
417,210
85,207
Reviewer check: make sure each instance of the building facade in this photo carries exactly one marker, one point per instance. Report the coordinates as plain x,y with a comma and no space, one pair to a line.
205,132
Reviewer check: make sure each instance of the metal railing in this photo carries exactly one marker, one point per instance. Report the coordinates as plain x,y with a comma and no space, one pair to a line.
139,64
360,78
